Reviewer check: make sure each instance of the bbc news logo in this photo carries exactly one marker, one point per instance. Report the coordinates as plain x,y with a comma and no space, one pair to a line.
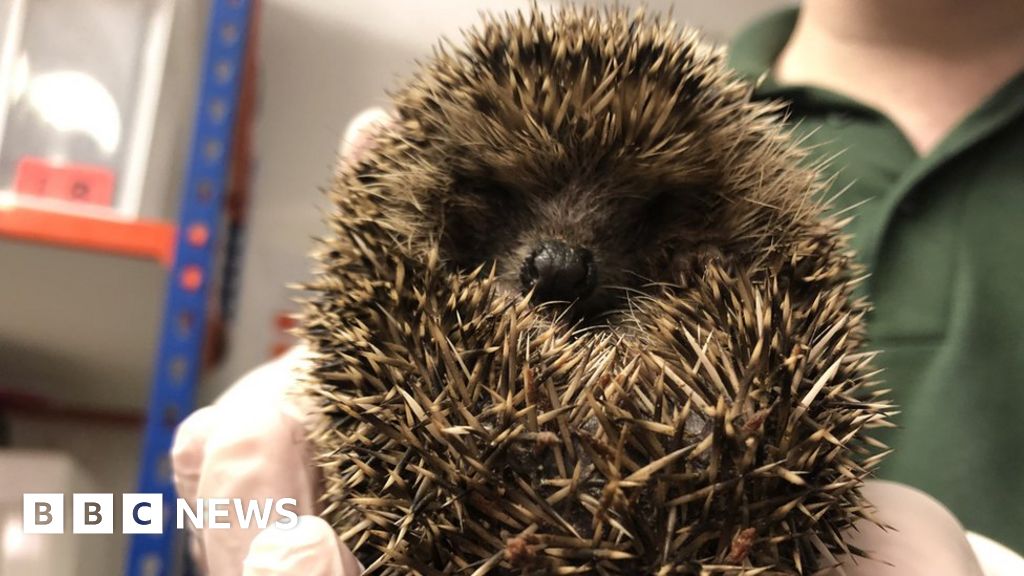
144,513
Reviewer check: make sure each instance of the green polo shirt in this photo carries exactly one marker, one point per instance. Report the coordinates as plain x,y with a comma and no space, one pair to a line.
943,239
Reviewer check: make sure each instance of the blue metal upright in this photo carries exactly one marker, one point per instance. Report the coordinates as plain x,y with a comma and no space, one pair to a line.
179,358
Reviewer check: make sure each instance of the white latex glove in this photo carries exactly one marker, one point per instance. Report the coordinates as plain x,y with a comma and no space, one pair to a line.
251,443
925,540
310,549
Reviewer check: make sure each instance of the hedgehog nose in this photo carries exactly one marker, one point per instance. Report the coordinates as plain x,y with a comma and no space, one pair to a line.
555,271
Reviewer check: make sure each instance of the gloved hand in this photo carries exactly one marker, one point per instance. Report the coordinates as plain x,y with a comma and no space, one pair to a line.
925,538
252,443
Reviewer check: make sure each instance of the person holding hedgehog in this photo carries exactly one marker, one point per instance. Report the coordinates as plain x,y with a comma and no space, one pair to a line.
928,109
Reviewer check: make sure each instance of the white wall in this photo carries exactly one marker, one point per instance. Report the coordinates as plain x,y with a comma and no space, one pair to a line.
322,62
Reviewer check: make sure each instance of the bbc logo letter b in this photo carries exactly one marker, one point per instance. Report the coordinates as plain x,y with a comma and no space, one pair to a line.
42,514
93,514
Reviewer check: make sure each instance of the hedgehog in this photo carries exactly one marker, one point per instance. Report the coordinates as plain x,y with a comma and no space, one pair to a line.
584,308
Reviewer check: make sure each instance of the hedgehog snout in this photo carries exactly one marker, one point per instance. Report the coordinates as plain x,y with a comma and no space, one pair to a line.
556,271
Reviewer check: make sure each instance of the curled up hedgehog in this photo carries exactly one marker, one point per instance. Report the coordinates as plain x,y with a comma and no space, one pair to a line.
582,311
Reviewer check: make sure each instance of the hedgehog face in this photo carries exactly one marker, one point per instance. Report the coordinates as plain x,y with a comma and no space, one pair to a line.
582,190
587,240
585,163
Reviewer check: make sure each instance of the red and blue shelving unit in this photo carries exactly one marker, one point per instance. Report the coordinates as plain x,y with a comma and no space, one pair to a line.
211,175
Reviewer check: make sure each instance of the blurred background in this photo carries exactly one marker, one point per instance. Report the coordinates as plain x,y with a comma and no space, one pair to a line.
160,167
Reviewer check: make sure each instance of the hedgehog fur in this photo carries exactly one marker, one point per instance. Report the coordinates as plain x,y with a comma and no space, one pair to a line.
707,409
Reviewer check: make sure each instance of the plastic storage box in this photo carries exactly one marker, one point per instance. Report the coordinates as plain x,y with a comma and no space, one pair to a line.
80,85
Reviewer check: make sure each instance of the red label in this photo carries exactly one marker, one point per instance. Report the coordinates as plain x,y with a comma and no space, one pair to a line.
69,182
